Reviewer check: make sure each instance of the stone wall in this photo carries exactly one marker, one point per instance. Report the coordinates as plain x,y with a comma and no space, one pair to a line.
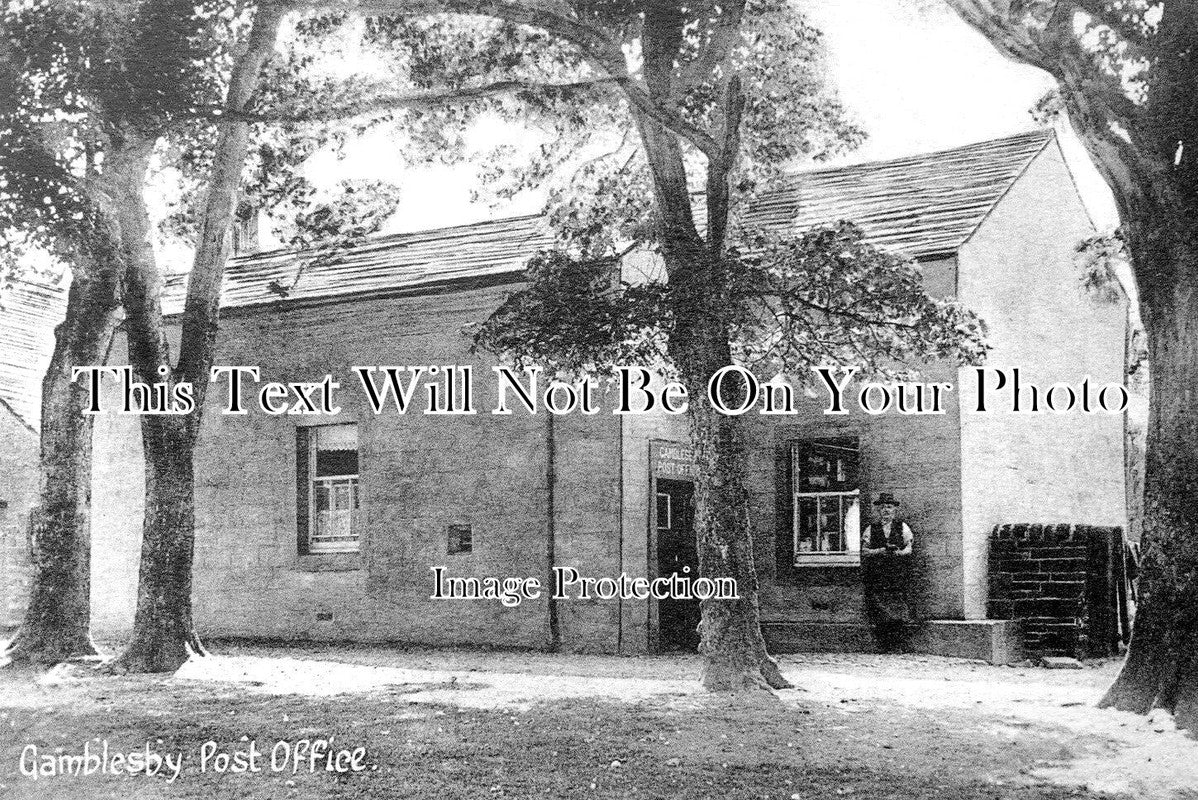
1018,273
18,493
418,475
956,476
914,458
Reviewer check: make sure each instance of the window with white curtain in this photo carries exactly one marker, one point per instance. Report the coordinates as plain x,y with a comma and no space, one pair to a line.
327,462
826,488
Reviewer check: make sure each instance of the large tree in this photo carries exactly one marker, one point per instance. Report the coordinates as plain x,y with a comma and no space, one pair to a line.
163,631
722,95
100,102
83,88
44,206
669,98
82,144
1127,72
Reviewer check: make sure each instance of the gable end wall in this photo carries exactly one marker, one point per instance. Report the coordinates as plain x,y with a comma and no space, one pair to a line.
1018,273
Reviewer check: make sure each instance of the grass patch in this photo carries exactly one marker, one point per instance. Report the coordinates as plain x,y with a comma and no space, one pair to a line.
694,747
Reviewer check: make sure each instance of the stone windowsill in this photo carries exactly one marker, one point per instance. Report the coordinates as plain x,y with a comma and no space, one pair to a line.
328,562
828,560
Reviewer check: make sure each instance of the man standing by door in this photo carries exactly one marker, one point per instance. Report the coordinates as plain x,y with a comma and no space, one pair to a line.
886,572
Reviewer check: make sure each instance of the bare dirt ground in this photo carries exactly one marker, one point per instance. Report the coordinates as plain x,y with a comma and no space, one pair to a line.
448,724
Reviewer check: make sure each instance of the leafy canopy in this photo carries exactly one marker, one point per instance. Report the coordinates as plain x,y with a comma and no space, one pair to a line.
791,303
76,76
786,300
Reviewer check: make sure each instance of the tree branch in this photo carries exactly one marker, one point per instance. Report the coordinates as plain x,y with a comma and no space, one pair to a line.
202,307
414,101
671,120
559,20
1123,24
719,169
555,17
1094,98
717,49
840,312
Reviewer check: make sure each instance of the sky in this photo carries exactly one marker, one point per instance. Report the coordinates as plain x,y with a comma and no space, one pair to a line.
920,79
916,77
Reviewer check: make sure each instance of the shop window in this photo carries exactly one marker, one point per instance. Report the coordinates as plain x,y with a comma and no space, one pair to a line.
327,489
826,494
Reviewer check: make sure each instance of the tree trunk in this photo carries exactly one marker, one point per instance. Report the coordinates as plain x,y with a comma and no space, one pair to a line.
1160,219
163,633
734,653
58,619
1162,666
1144,150
163,630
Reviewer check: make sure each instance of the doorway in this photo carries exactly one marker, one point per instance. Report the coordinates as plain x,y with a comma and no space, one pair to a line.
677,620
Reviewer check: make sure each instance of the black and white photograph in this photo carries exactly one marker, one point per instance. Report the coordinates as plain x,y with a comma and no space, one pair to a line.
788,399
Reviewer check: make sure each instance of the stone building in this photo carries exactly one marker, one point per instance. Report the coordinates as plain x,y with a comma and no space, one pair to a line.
18,484
29,310
328,527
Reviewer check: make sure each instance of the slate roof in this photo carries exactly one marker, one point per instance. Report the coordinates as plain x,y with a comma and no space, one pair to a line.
397,263
29,312
926,206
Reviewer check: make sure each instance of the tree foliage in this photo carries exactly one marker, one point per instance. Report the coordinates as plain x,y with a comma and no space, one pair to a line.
592,162
719,99
576,318
1126,73
824,297
1100,259
78,72
105,99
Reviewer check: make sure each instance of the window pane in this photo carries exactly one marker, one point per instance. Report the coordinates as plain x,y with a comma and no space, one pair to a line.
335,527
826,465
826,484
334,489
336,462
342,524
831,534
341,501
336,437
807,518
828,522
852,524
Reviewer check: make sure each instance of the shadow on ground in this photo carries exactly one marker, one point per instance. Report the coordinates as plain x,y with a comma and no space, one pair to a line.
472,724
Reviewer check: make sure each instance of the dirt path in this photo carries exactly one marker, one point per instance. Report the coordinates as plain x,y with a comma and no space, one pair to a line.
860,723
